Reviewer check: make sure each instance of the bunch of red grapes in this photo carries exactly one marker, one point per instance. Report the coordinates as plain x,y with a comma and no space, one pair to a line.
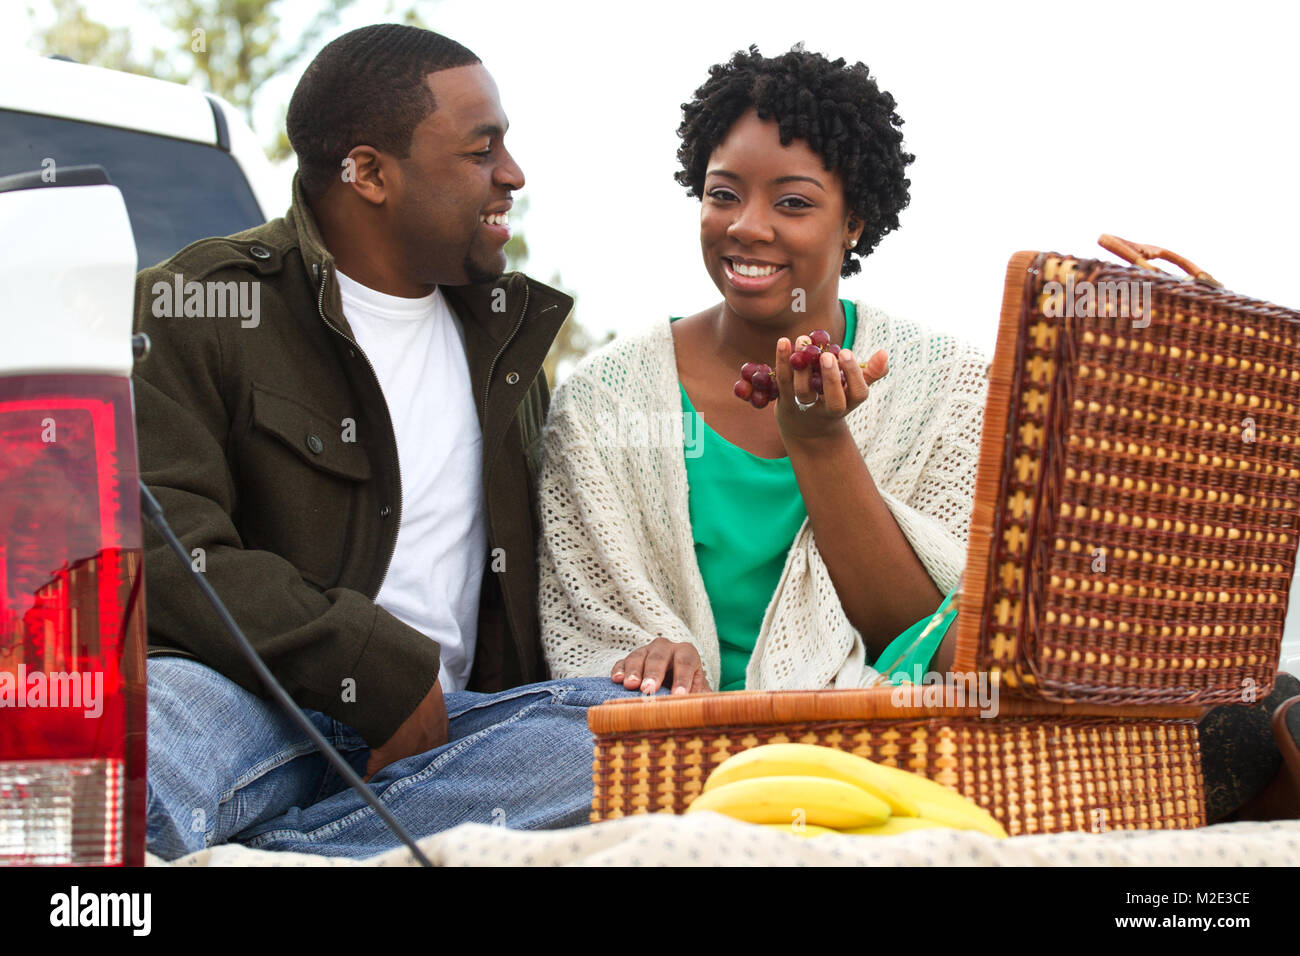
757,383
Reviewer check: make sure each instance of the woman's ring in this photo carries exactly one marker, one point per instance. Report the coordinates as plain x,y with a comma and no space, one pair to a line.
802,406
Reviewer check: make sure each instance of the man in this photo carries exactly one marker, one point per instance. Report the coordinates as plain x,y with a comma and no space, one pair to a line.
353,471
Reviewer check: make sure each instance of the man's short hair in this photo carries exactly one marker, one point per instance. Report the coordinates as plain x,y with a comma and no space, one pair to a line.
365,88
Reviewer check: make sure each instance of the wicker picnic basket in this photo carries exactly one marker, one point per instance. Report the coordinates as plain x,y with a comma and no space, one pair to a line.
1132,545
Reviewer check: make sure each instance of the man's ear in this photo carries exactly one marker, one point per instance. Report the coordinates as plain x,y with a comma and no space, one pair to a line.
366,173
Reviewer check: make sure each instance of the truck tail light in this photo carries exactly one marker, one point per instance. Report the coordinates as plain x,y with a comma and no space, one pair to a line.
72,639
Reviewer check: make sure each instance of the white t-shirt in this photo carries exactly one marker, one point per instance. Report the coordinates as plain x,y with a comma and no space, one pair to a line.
418,351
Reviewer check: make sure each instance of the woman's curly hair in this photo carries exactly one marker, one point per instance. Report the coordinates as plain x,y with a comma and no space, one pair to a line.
838,110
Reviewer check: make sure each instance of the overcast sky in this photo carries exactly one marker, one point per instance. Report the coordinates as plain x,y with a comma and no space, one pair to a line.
1035,126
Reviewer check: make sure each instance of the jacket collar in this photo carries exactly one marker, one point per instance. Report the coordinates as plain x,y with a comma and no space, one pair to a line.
479,303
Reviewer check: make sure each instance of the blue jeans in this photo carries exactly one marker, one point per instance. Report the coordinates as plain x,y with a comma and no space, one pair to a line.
227,766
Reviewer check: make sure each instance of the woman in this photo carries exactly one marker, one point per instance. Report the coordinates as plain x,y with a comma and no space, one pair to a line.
792,543
782,548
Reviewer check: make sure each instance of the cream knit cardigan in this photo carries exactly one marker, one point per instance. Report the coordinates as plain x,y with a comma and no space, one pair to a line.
617,557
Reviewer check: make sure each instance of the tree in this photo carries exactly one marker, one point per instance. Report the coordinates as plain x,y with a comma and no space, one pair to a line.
572,343
73,34
227,47
574,340
517,246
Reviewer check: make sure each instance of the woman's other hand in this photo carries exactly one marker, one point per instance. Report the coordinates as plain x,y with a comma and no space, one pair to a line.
652,666
836,400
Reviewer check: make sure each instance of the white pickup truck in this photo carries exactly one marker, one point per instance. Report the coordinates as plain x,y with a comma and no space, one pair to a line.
101,173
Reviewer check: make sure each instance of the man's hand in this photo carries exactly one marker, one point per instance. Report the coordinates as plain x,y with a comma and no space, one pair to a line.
424,730
650,667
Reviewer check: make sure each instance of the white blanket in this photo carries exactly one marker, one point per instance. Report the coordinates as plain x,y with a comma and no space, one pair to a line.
707,839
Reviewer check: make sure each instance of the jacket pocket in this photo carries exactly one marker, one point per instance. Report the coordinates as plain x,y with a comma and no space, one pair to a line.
301,484
315,437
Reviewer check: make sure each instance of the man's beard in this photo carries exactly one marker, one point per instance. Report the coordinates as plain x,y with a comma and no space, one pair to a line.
475,274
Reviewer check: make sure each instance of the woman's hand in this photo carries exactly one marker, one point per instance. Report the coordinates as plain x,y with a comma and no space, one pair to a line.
836,400
652,666
882,585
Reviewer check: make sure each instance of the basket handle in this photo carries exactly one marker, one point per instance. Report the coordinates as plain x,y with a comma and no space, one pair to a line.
1139,253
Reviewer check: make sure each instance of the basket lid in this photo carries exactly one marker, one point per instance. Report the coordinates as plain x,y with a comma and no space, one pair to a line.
1134,530
753,708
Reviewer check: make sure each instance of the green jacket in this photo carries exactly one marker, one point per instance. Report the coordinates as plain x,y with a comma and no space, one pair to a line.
268,443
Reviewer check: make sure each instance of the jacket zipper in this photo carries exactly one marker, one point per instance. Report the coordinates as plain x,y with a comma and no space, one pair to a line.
320,307
487,387
487,384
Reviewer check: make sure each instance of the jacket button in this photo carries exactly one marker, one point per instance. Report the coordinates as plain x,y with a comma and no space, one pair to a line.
259,252
512,378
385,511
315,445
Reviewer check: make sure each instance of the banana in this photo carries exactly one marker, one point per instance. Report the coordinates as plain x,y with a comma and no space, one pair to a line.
922,789
908,794
967,817
817,800
807,760
896,825
807,830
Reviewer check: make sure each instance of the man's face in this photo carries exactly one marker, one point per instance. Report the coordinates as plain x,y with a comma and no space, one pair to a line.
457,177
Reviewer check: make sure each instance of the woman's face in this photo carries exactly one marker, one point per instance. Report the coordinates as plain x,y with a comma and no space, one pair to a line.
773,212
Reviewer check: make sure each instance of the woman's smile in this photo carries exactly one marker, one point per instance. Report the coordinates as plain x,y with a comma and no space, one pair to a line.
752,275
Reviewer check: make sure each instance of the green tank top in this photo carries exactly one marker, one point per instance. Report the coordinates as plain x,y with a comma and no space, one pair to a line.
745,513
